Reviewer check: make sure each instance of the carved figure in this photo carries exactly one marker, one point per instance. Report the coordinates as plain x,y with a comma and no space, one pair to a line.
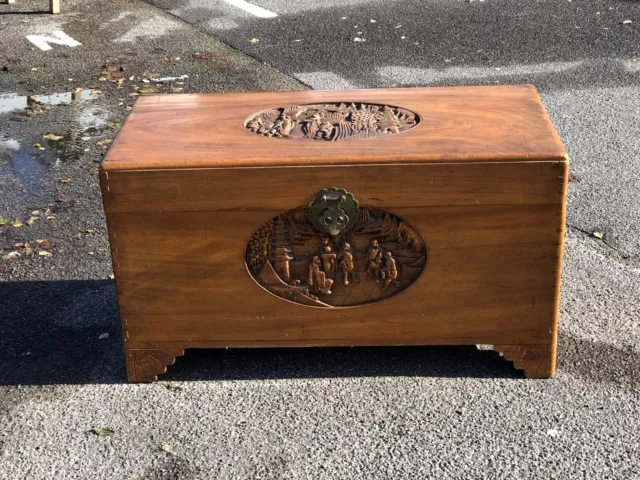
254,124
325,131
347,265
329,261
312,125
326,242
283,126
374,267
372,254
389,272
318,279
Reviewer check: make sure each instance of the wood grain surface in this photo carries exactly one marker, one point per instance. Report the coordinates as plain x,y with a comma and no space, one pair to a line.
482,178
472,124
182,281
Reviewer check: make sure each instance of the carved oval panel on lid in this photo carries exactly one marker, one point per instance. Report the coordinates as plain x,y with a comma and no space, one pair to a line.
321,256
332,121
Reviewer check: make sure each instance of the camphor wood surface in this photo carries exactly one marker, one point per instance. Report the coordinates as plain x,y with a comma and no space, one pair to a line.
471,124
146,365
494,224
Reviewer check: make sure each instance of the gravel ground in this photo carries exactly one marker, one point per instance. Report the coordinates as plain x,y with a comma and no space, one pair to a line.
419,412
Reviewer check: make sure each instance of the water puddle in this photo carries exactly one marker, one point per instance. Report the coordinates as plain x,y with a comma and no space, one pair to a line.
26,171
90,121
10,102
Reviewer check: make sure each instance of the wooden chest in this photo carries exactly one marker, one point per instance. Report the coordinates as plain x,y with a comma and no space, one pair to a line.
425,216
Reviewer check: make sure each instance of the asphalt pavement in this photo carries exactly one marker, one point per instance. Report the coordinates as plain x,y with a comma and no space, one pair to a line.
418,412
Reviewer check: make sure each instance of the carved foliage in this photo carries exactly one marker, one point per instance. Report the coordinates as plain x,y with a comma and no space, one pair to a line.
537,361
145,365
332,121
378,256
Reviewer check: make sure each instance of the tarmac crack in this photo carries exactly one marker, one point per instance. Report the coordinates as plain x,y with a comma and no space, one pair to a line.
620,252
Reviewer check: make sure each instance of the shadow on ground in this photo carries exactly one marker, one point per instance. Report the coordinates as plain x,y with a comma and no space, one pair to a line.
50,335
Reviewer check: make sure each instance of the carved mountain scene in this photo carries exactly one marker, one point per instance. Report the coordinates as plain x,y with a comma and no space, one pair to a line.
378,258
332,121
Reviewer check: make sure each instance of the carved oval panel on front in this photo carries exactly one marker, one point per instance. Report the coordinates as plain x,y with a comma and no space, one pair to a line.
379,256
332,121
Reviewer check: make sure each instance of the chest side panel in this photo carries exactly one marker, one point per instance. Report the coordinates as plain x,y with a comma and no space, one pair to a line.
493,233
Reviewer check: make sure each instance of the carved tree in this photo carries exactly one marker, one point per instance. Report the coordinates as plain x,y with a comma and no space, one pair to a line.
410,237
281,249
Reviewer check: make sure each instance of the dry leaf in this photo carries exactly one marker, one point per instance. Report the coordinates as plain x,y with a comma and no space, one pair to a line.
127,56
32,220
44,253
28,250
16,223
112,276
177,89
254,41
38,146
147,90
206,56
165,447
53,137
627,22
90,230
102,432
104,142
11,255
598,235
65,180
44,243
51,217
19,245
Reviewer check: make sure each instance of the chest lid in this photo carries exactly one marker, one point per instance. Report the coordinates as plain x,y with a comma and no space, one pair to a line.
305,128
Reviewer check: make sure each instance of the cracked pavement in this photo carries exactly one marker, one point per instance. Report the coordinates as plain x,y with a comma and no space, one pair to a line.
416,412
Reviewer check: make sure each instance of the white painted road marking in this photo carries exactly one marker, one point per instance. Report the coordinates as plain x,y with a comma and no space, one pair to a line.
252,9
58,38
